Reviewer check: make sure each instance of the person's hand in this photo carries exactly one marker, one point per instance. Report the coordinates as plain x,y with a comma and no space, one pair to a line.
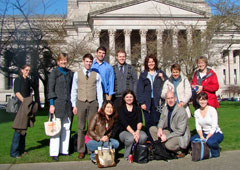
181,104
52,109
143,106
159,133
200,88
163,138
161,76
99,109
104,139
75,110
137,136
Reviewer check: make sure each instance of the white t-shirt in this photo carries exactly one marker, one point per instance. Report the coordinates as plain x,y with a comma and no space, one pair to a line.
209,123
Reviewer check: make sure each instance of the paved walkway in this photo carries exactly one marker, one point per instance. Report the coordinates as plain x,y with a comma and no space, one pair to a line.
229,160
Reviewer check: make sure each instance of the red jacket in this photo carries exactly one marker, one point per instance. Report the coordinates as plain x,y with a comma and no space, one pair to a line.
210,86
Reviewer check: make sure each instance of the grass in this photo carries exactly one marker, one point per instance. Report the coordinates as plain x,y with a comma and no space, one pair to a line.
37,144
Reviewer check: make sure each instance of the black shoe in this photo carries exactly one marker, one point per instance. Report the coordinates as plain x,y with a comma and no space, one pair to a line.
94,162
62,154
55,158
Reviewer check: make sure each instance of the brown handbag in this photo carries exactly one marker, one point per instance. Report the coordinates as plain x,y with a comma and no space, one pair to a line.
200,150
105,157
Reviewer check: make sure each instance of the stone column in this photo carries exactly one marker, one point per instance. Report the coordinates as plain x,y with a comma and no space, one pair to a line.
175,39
112,52
159,45
189,37
230,68
127,34
143,33
96,38
2,81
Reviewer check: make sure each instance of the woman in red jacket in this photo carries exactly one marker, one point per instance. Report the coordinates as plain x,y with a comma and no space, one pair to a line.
205,79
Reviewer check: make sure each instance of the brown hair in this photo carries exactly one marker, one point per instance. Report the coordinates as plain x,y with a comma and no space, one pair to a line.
176,67
147,59
102,112
202,95
122,51
61,56
202,58
126,93
23,67
88,56
102,48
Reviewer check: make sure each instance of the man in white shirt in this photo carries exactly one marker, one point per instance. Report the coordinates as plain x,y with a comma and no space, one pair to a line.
86,98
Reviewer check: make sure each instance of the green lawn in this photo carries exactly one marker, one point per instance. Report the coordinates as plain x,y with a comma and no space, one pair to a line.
37,142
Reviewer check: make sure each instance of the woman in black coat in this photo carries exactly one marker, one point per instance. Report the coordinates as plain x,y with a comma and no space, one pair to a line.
149,89
59,95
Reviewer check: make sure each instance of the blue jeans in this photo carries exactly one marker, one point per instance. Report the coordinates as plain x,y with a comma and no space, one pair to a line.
18,144
93,145
212,142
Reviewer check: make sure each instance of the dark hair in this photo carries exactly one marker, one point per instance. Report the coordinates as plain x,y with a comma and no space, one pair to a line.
203,58
176,67
202,95
126,93
88,56
102,48
102,112
61,56
146,62
23,67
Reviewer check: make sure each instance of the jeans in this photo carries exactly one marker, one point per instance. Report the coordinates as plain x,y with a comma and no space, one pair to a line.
18,144
93,145
212,142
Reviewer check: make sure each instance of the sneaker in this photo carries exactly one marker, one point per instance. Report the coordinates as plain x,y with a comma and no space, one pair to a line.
55,158
94,161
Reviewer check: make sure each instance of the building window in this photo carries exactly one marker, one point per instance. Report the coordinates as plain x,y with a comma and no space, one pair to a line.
225,55
9,81
235,76
224,77
235,55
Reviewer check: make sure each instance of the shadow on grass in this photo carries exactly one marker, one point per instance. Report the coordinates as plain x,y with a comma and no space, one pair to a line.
43,143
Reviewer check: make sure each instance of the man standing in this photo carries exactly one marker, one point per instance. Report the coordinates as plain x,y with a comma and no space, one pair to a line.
106,72
86,98
125,77
173,127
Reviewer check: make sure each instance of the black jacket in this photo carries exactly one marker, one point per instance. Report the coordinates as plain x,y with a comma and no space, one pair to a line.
144,88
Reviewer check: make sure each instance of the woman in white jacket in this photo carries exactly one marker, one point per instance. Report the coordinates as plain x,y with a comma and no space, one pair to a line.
181,87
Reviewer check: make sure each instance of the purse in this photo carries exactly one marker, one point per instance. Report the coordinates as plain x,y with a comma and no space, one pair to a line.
200,150
105,156
52,126
12,105
140,153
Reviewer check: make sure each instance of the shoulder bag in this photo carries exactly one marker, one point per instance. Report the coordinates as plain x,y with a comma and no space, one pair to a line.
200,150
12,105
52,126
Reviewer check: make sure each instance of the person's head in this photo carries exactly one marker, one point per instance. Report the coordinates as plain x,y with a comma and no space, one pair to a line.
129,98
121,57
150,63
62,60
202,99
25,70
175,70
202,63
170,98
101,52
107,109
87,61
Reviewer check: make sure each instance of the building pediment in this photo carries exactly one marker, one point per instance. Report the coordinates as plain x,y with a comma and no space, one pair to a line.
149,8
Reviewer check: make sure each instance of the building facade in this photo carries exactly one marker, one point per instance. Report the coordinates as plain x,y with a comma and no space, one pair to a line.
133,24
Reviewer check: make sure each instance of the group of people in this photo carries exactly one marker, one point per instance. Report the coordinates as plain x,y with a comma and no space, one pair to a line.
111,100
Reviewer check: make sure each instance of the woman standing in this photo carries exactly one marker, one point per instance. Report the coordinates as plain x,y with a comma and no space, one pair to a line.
100,129
130,119
206,121
149,89
205,79
22,90
181,87
60,83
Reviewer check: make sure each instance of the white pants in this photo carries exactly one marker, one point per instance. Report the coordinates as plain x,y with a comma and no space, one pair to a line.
61,142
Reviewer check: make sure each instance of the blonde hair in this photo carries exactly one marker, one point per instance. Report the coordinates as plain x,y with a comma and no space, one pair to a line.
62,56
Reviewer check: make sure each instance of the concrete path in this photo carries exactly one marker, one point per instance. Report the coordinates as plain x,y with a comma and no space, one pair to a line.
229,160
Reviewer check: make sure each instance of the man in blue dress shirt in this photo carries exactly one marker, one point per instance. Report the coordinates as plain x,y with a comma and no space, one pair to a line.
106,72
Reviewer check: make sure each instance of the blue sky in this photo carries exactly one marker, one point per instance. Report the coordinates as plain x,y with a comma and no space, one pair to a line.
52,7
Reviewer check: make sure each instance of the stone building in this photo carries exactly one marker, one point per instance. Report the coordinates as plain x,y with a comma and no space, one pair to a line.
128,24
